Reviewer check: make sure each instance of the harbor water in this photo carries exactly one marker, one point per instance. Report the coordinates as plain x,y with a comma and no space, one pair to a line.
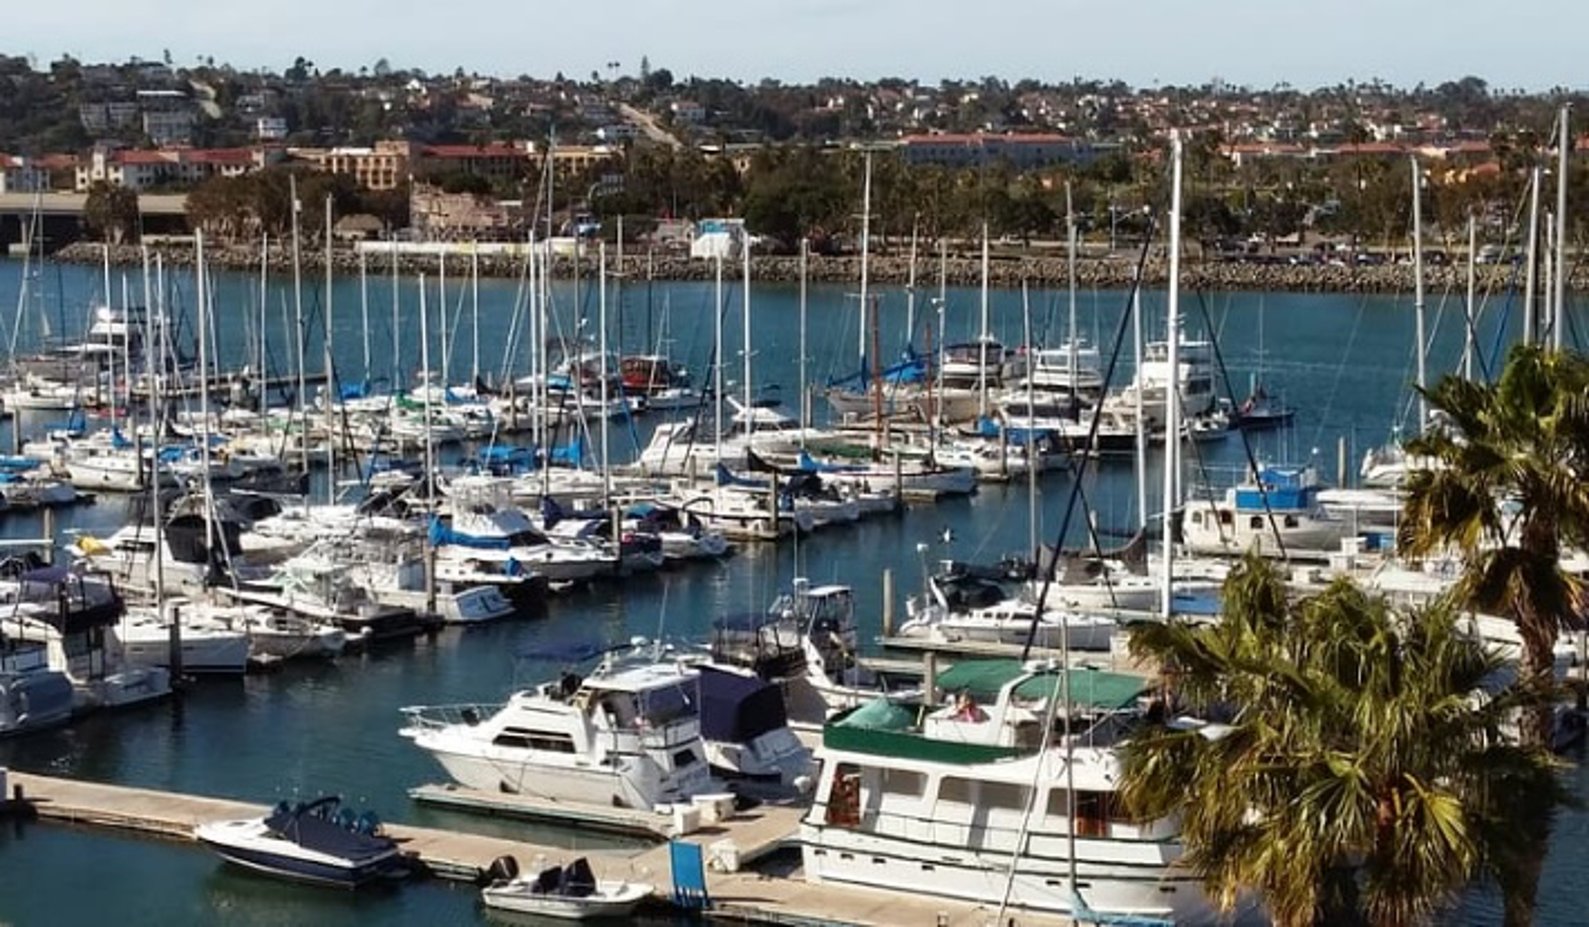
1344,361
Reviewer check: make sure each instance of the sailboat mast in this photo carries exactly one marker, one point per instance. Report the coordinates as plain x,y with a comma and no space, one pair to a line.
1563,152
866,247
474,314
1031,427
154,431
749,394
936,425
264,293
982,339
1074,356
1172,387
601,344
441,299
1531,277
297,304
430,454
1472,305
364,307
329,391
717,363
1140,416
110,334
910,288
805,393
1418,293
397,342
201,308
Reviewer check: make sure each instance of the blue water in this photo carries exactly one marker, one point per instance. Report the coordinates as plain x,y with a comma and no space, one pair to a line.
1344,361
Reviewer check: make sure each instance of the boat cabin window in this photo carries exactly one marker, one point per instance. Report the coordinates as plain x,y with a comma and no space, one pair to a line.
1005,796
844,799
1291,521
1225,517
525,739
1197,518
955,790
905,782
1094,811
1255,522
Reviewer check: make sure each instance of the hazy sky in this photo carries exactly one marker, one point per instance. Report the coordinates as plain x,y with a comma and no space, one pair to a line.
1527,43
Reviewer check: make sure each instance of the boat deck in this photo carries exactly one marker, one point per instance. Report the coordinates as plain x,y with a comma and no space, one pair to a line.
743,896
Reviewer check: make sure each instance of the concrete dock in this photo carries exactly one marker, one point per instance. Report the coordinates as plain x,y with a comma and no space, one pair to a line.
743,896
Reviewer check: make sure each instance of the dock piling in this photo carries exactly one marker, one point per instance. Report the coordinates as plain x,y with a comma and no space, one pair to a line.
888,602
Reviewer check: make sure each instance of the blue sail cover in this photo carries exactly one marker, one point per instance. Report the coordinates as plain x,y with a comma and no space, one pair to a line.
726,477
354,391
442,536
571,454
737,708
912,369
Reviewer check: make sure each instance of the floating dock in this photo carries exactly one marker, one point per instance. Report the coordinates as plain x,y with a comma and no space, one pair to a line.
742,896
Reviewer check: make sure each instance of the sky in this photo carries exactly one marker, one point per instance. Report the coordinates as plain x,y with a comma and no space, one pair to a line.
1516,44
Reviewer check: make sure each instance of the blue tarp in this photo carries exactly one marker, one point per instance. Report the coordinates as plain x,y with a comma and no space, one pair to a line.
441,536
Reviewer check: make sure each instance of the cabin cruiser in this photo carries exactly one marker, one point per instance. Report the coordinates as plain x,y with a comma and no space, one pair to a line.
808,643
945,806
745,729
626,736
1195,379
1278,514
33,697
67,614
964,602
486,527
681,448
317,585
320,842
683,536
210,643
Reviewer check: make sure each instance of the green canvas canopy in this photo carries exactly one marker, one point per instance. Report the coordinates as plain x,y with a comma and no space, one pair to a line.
1089,688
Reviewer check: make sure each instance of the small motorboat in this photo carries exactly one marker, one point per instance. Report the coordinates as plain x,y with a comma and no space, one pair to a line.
319,842
570,893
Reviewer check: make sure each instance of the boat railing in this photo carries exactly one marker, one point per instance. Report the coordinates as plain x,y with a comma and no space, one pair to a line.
436,717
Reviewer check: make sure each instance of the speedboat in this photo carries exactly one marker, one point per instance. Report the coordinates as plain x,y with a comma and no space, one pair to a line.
570,893
319,842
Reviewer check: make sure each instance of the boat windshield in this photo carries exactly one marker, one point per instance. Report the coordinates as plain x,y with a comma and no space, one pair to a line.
659,707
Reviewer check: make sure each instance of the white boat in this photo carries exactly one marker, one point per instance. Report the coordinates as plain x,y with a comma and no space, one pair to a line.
33,697
569,893
319,842
947,807
209,644
284,636
1278,514
627,737
966,603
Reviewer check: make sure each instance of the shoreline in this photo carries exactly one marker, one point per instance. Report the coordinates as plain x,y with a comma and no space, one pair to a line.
890,270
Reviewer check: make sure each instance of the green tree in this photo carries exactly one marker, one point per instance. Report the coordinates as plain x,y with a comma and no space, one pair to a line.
111,212
1362,772
1505,485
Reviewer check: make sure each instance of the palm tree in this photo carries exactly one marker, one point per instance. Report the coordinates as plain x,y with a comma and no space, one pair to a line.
1362,769
1506,487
